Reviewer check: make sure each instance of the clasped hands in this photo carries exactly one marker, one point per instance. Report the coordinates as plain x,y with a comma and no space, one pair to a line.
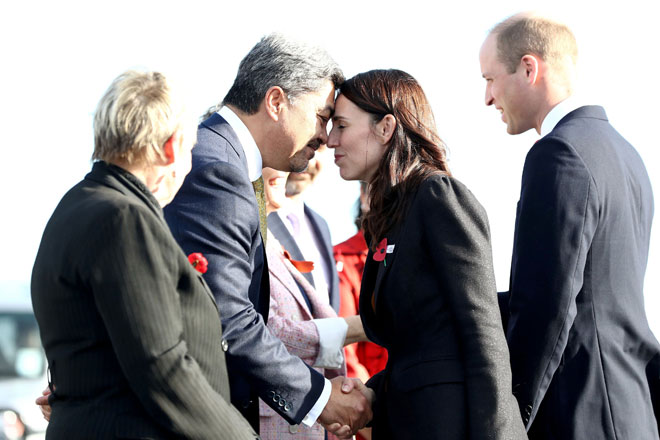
347,410
349,407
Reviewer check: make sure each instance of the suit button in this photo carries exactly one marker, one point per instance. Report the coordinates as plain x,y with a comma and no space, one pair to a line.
287,407
294,429
271,393
528,410
282,402
276,398
224,344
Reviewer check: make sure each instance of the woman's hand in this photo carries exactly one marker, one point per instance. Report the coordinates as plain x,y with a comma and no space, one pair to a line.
355,331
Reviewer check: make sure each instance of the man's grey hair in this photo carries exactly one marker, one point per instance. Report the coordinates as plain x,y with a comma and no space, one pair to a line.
135,117
294,66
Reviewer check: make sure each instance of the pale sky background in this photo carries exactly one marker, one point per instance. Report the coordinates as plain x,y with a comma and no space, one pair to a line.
59,57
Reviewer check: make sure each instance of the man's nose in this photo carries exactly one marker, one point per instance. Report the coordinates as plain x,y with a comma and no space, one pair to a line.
489,97
323,137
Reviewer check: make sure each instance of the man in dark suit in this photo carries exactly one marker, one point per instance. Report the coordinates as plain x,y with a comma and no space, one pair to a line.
584,361
274,115
306,235
130,328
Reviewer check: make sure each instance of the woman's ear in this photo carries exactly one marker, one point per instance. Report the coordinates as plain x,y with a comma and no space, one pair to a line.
385,129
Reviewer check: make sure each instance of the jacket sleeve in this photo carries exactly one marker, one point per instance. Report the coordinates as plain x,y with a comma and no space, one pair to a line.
458,236
216,213
555,224
349,291
134,279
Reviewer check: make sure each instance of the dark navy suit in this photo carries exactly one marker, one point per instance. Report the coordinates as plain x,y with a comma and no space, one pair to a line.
584,361
216,213
432,303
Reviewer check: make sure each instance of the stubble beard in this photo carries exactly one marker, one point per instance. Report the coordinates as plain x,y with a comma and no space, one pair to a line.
300,160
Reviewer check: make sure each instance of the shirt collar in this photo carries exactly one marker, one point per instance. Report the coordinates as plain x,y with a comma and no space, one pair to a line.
557,114
252,153
296,207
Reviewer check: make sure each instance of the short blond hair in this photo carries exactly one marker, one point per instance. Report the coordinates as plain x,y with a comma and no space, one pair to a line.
135,117
529,34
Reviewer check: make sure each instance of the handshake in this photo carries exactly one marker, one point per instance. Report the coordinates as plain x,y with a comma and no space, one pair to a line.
349,407
347,410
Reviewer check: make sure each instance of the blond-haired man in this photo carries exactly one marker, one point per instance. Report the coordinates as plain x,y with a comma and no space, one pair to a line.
584,361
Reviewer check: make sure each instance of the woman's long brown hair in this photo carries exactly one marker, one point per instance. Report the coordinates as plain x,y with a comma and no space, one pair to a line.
415,150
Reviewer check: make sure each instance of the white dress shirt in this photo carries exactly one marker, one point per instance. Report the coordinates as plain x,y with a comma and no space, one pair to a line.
557,114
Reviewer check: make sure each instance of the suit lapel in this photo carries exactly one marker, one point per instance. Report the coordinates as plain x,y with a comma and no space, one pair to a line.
282,234
321,309
384,267
278,269
218,125
207,289
326,251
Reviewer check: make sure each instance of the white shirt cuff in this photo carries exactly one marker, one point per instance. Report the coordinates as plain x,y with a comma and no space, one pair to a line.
317,409
332,334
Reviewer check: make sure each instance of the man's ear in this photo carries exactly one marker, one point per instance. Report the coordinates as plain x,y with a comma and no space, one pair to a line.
274,100
385,128
530,65
169,147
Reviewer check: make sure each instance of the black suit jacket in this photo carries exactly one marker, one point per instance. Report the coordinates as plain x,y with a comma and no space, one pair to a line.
436,312
131,330
216,213
322,232
581,348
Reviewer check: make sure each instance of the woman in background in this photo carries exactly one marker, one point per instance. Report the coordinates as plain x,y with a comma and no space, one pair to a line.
428,290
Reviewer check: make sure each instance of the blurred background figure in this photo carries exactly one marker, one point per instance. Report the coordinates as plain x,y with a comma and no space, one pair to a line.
301,317
305,234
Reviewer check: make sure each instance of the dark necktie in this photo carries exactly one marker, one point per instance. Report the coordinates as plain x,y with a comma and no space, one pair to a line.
258,186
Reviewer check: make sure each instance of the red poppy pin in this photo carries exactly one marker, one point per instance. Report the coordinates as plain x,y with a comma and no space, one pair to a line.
381,252
199,262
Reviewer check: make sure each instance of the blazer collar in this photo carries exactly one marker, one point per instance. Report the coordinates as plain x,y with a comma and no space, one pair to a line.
278,270
252,153
121,180
586,111
219,125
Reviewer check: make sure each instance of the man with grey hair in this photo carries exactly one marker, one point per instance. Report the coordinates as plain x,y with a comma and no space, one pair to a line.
274,115
585,364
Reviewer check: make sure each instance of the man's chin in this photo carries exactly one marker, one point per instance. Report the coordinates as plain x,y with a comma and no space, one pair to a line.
298,164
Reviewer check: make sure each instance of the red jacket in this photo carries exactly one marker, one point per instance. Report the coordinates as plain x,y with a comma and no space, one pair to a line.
363,359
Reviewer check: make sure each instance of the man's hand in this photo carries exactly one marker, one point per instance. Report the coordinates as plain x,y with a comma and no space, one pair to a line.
348,410
42,401
353,383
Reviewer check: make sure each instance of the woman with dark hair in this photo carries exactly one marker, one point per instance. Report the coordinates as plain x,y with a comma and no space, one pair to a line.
428,291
